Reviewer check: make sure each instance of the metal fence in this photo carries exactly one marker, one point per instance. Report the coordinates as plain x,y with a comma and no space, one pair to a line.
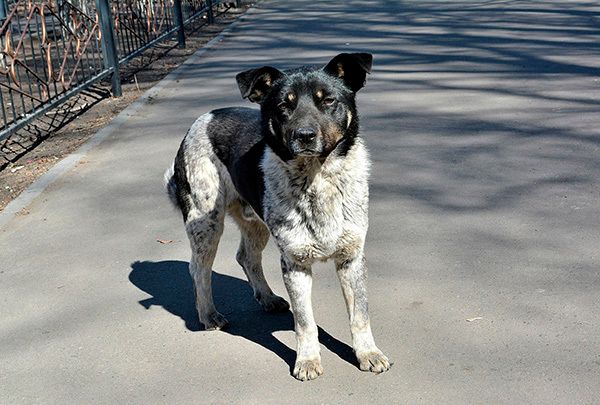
52,49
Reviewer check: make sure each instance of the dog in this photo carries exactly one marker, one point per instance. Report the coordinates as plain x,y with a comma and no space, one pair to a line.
297,170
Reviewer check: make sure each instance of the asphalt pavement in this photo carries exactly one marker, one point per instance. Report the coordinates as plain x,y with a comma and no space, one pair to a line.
483,122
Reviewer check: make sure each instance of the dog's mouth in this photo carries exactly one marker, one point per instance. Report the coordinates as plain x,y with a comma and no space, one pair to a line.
303,150
307,153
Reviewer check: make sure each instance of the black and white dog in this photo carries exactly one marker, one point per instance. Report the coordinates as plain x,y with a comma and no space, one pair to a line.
297,169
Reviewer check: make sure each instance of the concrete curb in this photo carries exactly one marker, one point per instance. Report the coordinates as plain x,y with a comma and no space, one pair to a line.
67,163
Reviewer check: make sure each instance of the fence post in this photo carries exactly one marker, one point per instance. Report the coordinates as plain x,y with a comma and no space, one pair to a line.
3,10
209,12
179,22
109,48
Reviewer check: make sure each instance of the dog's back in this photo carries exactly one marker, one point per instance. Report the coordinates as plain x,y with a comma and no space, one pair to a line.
227,138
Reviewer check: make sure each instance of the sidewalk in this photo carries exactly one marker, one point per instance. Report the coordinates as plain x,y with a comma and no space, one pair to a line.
484,247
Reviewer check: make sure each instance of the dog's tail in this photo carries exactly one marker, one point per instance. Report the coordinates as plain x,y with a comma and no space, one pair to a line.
171,185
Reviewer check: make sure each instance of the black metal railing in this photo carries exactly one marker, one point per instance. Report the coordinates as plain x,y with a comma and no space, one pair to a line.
52,49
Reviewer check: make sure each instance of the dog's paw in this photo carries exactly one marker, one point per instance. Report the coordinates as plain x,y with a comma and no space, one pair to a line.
307,369
273,303
214,321
374,361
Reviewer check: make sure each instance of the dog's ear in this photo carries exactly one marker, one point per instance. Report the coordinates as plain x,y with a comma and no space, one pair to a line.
254,84
352,68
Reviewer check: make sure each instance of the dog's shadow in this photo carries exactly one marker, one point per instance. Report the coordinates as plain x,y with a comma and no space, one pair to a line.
170,285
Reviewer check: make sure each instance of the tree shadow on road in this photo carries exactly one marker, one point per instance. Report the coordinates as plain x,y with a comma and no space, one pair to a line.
170,285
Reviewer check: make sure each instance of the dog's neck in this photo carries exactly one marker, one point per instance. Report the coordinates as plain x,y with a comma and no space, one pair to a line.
309,202
303,170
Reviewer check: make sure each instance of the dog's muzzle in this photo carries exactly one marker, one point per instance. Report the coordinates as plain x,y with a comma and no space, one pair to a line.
306,142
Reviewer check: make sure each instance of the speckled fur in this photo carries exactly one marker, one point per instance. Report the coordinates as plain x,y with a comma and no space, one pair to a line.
316,208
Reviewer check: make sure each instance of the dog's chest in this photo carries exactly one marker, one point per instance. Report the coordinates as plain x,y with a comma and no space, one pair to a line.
316,213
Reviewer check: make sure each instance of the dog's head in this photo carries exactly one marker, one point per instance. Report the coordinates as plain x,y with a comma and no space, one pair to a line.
308,111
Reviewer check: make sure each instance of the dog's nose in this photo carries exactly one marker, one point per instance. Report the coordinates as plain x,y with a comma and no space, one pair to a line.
305,135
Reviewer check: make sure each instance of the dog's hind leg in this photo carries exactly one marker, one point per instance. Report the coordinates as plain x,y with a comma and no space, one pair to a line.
204,232
254,238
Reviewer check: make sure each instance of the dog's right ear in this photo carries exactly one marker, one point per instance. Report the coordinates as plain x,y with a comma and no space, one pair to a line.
254,84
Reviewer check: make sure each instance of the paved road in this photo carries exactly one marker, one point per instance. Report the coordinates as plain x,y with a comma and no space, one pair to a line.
483,118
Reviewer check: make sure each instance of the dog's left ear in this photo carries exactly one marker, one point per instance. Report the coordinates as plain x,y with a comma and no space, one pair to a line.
254,84
352,68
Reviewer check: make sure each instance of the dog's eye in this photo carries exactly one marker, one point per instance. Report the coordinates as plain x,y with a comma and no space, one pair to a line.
328,101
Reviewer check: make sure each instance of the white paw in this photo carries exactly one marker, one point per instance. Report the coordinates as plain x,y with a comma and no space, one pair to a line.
307,369
374,361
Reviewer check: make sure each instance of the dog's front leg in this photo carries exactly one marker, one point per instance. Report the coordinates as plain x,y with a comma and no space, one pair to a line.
298,282
353,277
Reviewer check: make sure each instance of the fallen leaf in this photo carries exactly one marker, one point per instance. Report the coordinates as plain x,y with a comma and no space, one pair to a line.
474,319
164,241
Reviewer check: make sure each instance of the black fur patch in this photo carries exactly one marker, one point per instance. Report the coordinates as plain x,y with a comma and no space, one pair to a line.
236,138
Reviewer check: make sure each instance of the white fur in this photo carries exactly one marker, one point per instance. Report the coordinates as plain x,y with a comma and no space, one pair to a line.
317,210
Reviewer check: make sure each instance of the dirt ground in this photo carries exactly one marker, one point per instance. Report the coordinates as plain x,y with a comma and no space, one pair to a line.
28,154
